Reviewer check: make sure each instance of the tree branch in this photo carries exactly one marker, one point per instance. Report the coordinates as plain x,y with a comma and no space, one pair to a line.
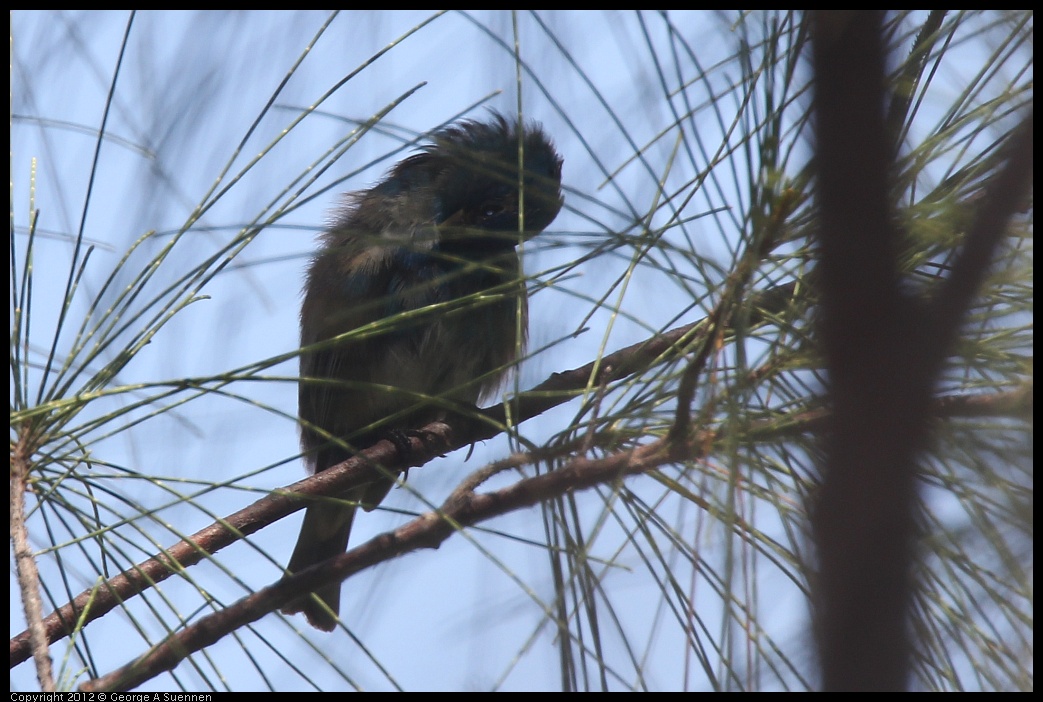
558,389
884,350
25,566
465,508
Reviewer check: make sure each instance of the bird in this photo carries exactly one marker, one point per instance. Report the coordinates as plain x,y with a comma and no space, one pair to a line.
413,304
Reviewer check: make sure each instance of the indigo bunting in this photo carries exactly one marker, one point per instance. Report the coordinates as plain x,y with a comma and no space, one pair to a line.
440,228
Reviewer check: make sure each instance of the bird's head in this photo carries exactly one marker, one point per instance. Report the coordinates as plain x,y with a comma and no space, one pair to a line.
480,202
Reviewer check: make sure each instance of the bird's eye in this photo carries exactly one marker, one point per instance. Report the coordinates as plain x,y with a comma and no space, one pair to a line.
492,210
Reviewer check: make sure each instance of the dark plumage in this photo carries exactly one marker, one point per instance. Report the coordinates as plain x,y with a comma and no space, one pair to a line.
441,227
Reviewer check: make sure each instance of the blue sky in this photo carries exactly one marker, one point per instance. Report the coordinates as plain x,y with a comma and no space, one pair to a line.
189,87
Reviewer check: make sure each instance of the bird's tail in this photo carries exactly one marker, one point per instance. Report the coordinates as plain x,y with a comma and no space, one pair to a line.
324,535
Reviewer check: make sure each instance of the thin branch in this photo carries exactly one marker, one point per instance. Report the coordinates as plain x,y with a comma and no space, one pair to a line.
759,246
1004,196
25,567
558,389
464,508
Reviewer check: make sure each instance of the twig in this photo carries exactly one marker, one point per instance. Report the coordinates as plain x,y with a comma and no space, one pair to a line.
25,567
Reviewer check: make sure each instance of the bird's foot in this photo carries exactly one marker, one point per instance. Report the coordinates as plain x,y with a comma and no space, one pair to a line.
401,439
